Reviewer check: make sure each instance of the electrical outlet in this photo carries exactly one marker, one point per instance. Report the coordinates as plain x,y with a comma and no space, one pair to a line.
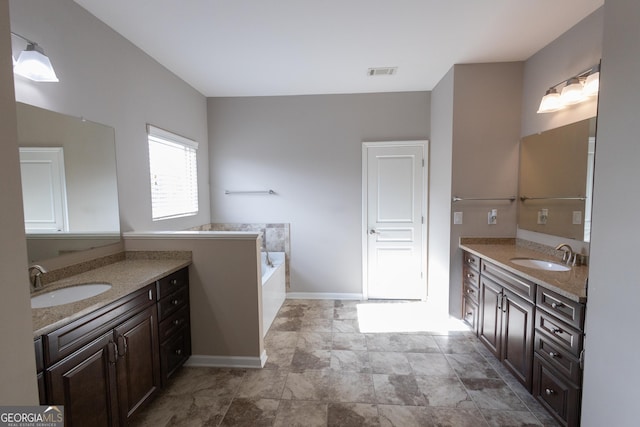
457,218
543,215
577,217
492,217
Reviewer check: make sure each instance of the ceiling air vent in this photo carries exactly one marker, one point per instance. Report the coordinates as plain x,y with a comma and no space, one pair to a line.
382,71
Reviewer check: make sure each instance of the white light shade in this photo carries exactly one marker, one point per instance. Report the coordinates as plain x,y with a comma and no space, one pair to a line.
34,65
592,84
572,93
550,102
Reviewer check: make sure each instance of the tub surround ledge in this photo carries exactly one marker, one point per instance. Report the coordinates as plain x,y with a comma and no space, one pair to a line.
571,284
133,272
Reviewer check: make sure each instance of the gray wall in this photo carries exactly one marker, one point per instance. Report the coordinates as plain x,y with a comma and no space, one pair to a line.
308,150
486,133
17,360
106,79
440,158
611,376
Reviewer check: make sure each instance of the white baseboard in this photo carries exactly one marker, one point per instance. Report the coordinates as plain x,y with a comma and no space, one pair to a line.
323,295
227,361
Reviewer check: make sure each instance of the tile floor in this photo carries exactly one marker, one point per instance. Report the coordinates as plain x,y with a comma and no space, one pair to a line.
347,363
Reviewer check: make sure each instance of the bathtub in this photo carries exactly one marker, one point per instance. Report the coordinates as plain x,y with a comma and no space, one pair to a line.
273,288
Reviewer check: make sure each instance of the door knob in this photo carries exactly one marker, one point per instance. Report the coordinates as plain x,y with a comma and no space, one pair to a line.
373,231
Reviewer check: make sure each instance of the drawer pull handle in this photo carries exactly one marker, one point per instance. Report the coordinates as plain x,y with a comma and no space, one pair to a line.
553,355
549,391
470,276
178,322
556,304
174,281
556,331
470,291
469,313
178,352
175,302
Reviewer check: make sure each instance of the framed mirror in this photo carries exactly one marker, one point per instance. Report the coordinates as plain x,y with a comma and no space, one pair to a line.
556,181
69,184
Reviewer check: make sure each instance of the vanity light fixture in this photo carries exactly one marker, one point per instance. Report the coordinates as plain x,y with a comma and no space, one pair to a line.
33,64
576,89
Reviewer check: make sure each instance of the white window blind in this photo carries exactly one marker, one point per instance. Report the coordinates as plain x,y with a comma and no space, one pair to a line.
174,174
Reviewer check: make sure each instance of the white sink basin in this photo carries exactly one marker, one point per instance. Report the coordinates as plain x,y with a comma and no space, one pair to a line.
540,264
68,295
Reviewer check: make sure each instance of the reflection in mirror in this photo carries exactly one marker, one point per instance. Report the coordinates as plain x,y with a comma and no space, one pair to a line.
68,170
555,183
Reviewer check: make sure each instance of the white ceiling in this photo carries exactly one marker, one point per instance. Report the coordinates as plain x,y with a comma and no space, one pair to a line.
294,47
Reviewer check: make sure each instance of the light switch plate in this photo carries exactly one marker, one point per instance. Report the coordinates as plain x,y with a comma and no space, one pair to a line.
457,218
492,217
577,217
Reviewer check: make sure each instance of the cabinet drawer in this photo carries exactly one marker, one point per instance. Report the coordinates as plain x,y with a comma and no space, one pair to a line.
69,338
470,276
558,358
559,396
171,324
470,313
174,352
569,311
172,303
518,285
471,261
171,283
559,332
470,292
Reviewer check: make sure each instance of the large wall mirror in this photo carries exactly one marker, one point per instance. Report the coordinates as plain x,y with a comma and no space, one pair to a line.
69,184
556,181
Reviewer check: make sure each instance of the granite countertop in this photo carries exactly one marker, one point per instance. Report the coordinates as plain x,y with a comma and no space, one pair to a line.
124,277
571,284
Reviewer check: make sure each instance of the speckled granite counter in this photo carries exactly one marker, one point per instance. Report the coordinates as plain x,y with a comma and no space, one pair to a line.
571,284
124,277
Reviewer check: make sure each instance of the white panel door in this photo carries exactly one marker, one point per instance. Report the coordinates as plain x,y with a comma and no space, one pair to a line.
43,189
395,229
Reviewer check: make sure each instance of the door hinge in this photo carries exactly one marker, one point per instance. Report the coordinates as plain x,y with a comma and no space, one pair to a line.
423,219
422,162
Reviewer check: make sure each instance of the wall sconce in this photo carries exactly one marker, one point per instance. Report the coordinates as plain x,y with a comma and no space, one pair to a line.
576,89
33,63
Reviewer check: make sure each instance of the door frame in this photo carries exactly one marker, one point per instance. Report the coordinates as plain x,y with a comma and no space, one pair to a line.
424,143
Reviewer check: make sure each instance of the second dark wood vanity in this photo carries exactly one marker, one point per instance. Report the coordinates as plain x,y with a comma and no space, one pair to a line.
106,363
533,321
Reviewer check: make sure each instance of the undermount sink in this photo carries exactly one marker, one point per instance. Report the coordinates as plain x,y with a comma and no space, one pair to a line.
540,264
68,295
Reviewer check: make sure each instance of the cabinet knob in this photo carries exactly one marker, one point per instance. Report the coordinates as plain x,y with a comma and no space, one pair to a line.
471,260
549,391
177,322
174,281
175,302
470,291
553,355
556,304
470,275
178,352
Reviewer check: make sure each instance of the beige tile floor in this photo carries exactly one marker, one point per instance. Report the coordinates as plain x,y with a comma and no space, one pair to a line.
353,363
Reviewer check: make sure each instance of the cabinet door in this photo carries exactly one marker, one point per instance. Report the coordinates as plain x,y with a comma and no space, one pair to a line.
84,383
517,337
138,365
490,321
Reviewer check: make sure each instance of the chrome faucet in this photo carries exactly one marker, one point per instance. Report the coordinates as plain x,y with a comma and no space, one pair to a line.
35,273
569,257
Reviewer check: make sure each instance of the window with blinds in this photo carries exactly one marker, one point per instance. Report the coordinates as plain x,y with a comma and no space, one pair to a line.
174,174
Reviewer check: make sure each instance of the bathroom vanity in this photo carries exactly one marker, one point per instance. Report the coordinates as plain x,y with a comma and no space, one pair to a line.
106,356
531,319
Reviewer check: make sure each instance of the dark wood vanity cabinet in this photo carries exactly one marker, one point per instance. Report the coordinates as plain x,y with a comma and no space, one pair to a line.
506,316
174,327
557,375
470,289
105,365
536,333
